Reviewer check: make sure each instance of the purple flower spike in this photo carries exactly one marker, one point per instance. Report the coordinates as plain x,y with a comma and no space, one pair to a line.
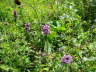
46,29
17,2
27,27
14,13
66,59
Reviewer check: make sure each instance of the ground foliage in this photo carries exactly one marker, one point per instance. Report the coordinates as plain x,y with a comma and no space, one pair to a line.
72,31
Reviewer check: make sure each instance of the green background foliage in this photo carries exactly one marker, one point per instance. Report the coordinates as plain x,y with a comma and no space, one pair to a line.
73,31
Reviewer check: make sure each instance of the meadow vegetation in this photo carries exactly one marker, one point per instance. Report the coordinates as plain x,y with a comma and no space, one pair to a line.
47,35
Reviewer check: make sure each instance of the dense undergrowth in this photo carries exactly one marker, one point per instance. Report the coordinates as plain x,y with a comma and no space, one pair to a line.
36,34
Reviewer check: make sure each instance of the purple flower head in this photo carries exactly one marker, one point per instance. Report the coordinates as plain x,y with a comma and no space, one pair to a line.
46,29
66,59
17,2
14,13
27,27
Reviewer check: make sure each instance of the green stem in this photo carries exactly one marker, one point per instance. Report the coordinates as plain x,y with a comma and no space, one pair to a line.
47,47
68,68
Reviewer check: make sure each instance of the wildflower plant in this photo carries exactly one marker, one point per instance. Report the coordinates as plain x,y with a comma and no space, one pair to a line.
15,15
46,32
